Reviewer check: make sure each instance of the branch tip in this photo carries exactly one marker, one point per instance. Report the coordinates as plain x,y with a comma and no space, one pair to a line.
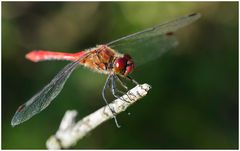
70,132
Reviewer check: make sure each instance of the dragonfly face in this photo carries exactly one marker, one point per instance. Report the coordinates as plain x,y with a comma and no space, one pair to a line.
123,65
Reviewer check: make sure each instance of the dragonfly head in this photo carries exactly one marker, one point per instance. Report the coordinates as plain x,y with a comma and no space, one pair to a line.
123,65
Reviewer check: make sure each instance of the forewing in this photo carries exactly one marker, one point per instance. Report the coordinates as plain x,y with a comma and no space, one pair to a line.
148,48
161,35
43,98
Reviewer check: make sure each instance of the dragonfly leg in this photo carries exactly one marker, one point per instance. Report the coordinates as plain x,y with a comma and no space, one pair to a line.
104,98
124,85
115,90
132,80
121,82
135,82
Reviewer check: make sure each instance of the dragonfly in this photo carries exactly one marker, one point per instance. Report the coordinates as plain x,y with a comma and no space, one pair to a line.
116,59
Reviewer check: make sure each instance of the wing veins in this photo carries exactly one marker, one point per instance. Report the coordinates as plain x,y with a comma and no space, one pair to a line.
166,27
44,96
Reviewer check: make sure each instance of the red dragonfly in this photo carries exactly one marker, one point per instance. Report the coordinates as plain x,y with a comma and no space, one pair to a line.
144,46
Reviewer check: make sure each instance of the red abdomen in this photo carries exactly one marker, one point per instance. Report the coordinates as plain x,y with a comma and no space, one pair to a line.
41,55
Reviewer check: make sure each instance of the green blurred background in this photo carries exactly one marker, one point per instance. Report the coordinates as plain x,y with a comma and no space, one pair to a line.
193,102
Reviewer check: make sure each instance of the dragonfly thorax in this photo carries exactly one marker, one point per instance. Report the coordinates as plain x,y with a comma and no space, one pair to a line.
123,65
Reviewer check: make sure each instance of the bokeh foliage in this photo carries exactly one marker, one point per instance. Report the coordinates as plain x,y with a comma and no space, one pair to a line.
194,98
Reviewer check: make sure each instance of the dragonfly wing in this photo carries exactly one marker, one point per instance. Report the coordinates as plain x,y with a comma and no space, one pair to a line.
43,98
162,35
148,48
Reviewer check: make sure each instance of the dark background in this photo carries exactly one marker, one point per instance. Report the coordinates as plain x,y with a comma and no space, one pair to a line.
193,102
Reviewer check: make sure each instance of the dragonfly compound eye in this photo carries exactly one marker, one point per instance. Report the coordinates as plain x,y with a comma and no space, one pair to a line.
120,65
129,68
130,64
123,65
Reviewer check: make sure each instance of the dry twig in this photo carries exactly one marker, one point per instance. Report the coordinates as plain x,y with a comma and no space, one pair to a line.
70,131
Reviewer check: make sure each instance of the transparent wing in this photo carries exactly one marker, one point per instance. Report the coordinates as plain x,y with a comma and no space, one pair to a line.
154,41
147,48
43,98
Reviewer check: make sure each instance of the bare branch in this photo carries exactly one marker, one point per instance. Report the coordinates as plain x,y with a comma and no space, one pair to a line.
70,132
